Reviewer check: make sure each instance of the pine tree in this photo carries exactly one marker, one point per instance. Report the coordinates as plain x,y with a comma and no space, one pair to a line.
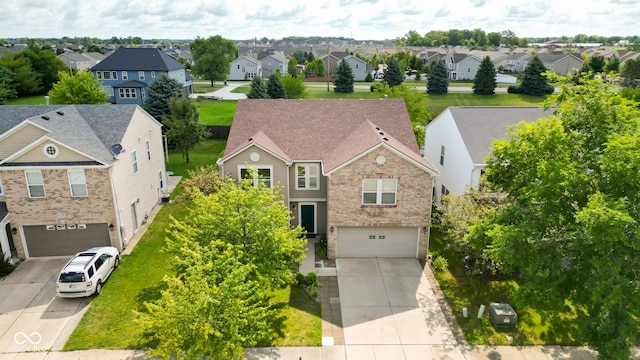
393,74
438,79
158,94
275,89
533,83
344,81
258,89
485,81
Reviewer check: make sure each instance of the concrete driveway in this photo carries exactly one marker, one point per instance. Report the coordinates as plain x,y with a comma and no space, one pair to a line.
32,317
389,311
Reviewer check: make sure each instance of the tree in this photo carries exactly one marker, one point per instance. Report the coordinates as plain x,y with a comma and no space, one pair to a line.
416,103
158,94
438,79
294,87
533,81
485,81
212,57
7,85
184,128
81,88
612,65
292,67
597,62
494,38
572,220
26,80
318,67
392,73
45,63
631,73
258,89
275,89
344,81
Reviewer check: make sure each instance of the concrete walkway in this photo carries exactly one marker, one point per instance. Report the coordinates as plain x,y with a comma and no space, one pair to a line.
224,93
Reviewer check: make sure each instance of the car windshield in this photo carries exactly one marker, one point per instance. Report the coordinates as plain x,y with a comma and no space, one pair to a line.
71,277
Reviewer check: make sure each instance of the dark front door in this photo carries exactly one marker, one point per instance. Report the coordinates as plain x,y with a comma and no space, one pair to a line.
308,217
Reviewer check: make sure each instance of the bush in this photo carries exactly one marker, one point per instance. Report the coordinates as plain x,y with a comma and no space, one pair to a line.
439,264
311,280
549,89
6,266
299,279
368,78
516,89
321,247
374,87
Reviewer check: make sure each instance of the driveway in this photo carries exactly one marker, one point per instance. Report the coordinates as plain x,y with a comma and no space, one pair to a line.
32,317
389,311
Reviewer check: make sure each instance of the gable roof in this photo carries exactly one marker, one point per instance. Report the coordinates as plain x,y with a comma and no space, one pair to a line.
479,126
556,56
331,131
90,129
138,59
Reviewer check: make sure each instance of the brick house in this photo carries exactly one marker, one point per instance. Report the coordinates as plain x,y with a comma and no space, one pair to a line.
348,169
76,176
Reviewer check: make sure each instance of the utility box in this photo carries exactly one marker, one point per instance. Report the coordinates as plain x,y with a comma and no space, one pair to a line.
502,315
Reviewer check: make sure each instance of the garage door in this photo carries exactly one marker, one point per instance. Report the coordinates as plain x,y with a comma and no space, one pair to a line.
377,242
57,240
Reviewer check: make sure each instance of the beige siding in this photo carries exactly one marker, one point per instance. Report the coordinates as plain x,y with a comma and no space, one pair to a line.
142,188
19,139
413,199
280,169
37,154
58,207
321,213
321,193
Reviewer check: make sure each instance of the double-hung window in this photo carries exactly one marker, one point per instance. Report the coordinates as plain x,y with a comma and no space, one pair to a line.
379,191
134,161
35,184
78,183
1,193
140,75
148,150
257,174
307,177
125,75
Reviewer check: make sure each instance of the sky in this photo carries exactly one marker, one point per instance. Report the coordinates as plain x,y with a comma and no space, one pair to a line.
275,19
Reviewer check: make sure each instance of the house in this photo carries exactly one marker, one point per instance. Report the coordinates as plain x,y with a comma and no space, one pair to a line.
459,140
244,68
517,62
461,66
273,62
359,67
76,176
126,73
561,63
74,60
349,170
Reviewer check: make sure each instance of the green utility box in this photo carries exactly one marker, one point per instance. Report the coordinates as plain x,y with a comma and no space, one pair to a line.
502,315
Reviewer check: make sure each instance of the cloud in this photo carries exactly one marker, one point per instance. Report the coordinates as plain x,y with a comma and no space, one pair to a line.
266,13
442,12
478,3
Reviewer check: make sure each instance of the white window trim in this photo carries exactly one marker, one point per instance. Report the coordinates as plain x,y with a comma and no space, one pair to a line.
148,149
83,183
153,74
161,179
255,174
125,75
44,193
307,176
1,191
379,192
134,162
131,92
140,75
54,147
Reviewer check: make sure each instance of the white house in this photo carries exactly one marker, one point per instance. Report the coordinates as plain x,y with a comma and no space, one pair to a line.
244,68
459,140
461,66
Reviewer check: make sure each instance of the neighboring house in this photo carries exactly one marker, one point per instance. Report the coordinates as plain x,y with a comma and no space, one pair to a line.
75,60
95,57
461,66
561,63
359,67
272,63
517,62
459,140
348,169
244,68
63,189
126,73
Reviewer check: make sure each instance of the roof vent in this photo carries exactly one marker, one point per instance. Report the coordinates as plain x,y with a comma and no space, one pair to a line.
45,117
60,113
381,133
250,139
385,139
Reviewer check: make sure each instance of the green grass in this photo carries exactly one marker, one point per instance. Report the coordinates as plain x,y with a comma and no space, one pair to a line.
201,88
108,322
437,103
28,100
244,89
216,112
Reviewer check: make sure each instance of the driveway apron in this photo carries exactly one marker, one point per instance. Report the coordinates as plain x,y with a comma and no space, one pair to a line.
389,311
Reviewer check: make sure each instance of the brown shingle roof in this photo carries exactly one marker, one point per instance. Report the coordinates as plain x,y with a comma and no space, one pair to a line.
331,131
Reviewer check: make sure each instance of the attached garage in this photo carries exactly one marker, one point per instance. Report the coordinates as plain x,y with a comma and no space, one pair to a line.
60,240
377,242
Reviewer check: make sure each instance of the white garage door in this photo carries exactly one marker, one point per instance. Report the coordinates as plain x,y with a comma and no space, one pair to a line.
377,242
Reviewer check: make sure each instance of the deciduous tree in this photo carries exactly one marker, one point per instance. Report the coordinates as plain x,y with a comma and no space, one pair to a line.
212,57
344,80
631,73
485,81
184,128
81,88
7,85
292,67
275,89
158,94
295,87
438,79
27,81
318,67
45,63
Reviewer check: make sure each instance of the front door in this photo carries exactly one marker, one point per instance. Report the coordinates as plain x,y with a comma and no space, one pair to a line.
308,217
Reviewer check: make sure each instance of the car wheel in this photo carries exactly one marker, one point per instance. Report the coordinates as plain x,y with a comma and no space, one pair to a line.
98,287
116,262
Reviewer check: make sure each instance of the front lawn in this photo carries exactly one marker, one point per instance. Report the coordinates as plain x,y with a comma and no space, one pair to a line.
108,322
216,112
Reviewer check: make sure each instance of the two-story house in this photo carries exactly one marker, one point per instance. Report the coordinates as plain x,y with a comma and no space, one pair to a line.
347,169
459,140
461,66
359,67
273,62
245,68
517,62
76,176
126,73
561,63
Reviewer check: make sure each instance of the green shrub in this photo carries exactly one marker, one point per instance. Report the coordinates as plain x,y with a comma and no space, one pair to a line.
6,267
311,280
368,78
439,264
514,89
321,247
299,279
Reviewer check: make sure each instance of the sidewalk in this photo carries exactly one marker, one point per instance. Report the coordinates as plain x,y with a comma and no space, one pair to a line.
224,93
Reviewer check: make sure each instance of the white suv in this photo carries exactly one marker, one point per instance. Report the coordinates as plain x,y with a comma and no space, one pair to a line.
85,273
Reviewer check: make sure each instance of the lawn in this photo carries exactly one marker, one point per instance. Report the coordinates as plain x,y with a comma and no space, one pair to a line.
201,88
437,103
216,112
28,100
108,322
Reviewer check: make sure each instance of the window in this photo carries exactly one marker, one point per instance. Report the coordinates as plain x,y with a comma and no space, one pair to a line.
127,93
1,193
134,161
442,155
308,177
125,75
35,184
257,173
443,191
51,151
90,272
148,150
77,183
141,75
99,262
379,191
107,75
142,92
161,178
108,90
153,74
